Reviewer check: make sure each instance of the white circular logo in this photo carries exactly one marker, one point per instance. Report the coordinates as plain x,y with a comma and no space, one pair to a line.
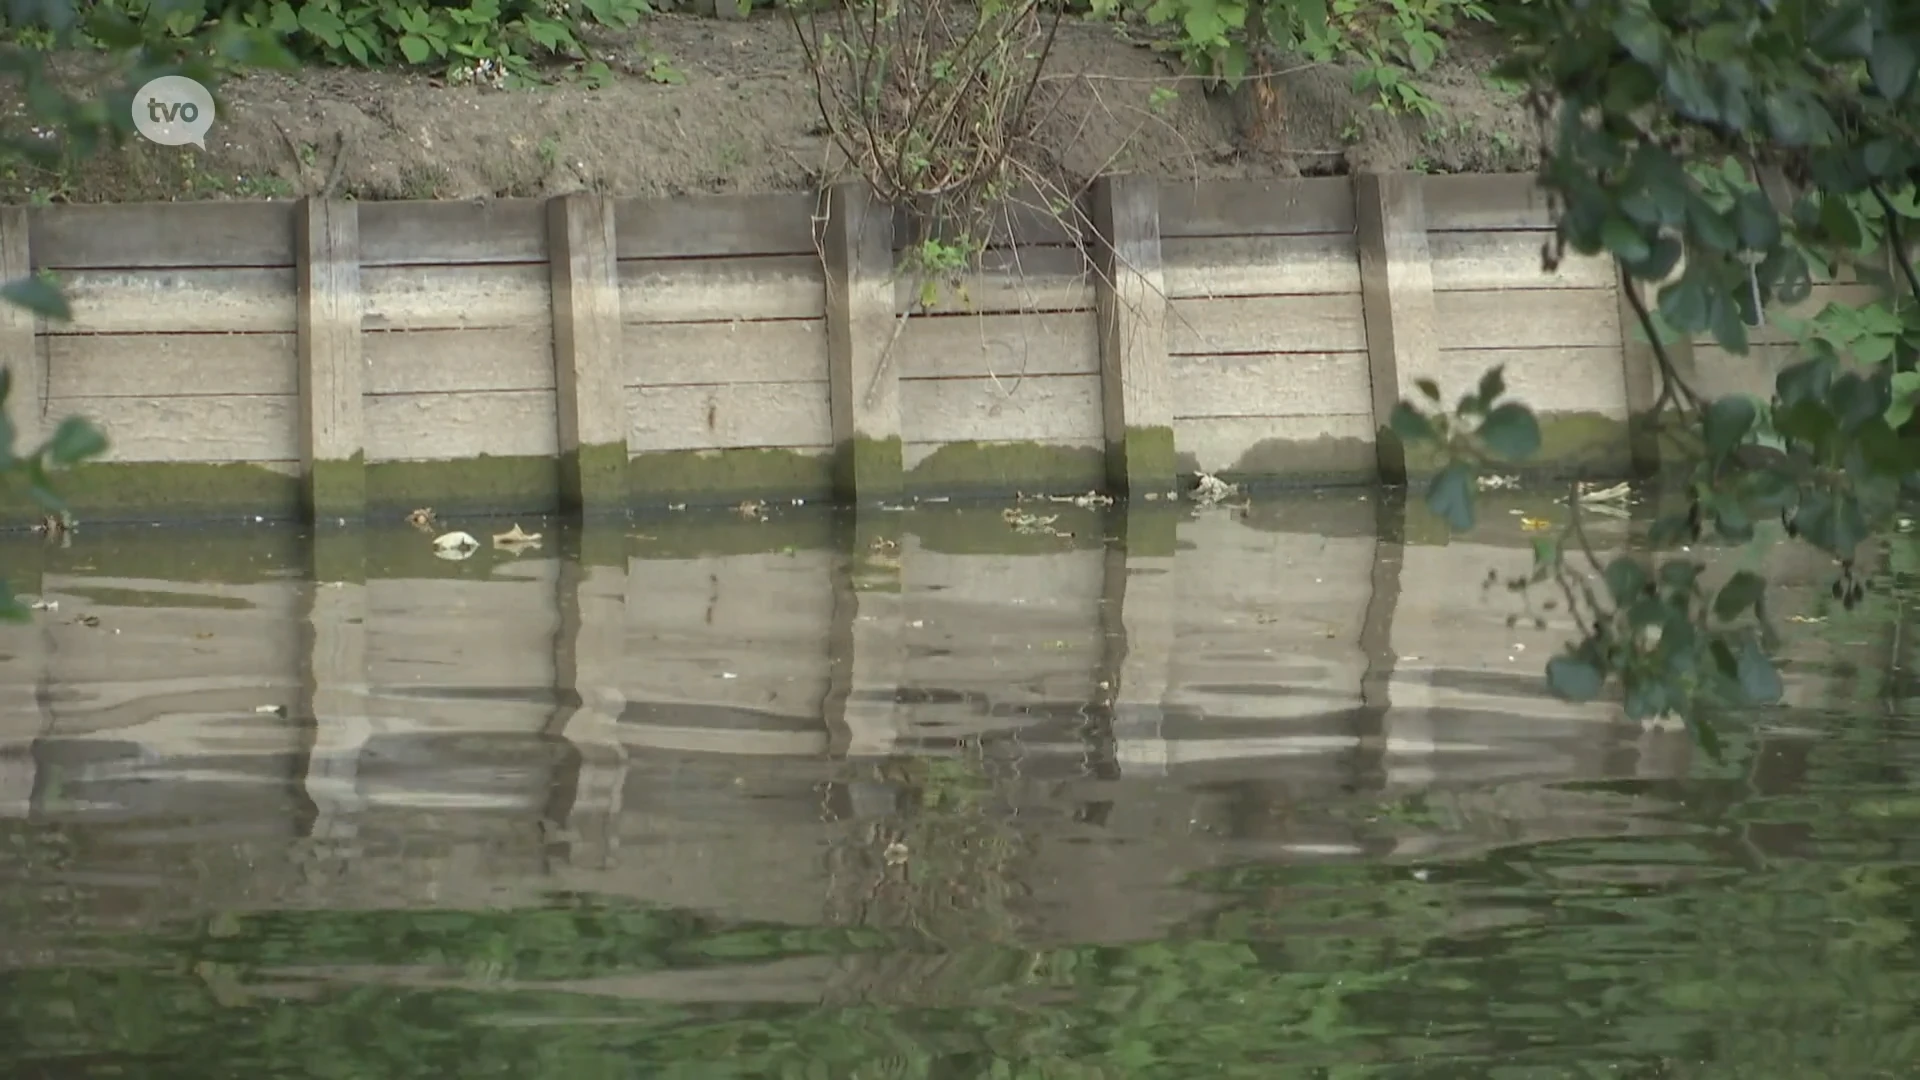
173,110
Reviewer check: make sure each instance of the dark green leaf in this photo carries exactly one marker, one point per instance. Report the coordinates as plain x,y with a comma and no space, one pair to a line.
1411,425
1643,37
1679,574
1683,304
1572,678
1511,432
38,295
1844,32
1625,579
1450,496
74,441
1804,381
1754,219
1662,256
1741,592
1429,389
1839,221
1625,240
1646,698
1831,521
1492,385
1728,421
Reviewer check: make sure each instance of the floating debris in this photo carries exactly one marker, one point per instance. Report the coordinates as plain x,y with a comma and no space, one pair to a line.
1594,493
515,540
1534,524
1209,489
423,519
46,605
752,510
1497,483
455,545
1030,524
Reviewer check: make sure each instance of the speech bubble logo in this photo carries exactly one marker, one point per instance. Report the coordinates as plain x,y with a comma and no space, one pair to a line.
173,110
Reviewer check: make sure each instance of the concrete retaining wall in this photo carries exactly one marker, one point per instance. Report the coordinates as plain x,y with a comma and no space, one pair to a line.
598,354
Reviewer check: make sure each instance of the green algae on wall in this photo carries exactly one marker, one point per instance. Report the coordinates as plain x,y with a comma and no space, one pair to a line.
997,468
524,483
593,478
337,489
1144,460
1296,463
165,491
717,477
1591,445
866,469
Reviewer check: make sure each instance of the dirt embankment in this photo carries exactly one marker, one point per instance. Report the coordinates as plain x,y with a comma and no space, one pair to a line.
745,120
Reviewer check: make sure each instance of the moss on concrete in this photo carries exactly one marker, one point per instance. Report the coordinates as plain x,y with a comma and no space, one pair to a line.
1586,444
485,483
1000,468
720,477
868,470
337,490
593,478
1295,463
1149,529
164,491
1142,460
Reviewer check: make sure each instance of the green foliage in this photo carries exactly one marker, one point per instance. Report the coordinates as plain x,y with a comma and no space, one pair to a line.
145,42
478,40
1728,154
1389,42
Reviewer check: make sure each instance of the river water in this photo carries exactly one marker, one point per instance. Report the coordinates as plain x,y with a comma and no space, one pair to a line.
1044,790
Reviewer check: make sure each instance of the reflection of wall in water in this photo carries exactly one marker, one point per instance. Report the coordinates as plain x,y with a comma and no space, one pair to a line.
653,727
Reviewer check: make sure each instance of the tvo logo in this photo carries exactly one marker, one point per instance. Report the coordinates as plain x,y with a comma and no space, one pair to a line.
173,110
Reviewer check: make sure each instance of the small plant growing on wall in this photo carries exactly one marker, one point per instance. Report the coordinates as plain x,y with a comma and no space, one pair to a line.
933,105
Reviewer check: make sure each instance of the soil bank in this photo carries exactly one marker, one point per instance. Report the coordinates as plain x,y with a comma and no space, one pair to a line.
745,120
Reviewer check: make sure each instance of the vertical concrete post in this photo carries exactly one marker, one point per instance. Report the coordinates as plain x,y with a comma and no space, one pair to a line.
19,346
1396,287
856,245
335,690
590,658
1138,621
332,371
1130,301
586,353
869,639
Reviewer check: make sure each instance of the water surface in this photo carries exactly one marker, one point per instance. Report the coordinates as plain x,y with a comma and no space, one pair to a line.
1035,791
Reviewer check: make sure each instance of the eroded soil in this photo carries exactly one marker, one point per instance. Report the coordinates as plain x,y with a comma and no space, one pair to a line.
745,120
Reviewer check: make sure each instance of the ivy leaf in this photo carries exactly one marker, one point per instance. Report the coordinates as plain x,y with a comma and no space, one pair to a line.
1450,496
1511,431
1574,679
